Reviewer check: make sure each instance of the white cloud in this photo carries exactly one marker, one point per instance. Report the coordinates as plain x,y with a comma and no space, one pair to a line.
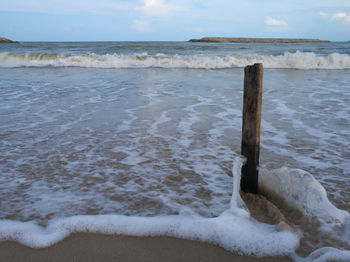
139,26
341,16
154,7
100,7
274,22
323,14
161,8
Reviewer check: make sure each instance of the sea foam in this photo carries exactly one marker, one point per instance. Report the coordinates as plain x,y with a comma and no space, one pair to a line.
234,230
233,233
297,60
326,254
300,190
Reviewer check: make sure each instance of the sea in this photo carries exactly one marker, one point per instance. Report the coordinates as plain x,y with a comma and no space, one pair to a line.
144,138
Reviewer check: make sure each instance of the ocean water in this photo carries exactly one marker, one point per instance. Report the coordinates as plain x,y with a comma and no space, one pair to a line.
143,138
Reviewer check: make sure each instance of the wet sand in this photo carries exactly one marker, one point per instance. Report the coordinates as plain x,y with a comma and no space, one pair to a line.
96,247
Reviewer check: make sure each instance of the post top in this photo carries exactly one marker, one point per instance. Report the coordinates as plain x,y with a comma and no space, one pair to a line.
255,65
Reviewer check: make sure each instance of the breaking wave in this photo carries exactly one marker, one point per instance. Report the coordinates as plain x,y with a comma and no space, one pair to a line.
300,190
298,60
225,230
297,187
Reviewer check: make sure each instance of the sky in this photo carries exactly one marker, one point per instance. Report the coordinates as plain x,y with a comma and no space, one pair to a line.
172,20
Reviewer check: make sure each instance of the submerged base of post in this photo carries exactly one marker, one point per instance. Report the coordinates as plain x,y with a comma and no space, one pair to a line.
249,178
252,100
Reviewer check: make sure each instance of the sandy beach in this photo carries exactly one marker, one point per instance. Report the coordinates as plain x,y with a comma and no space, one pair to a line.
96,247
144,139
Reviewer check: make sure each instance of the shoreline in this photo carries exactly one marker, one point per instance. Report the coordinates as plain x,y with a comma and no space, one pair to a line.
4,40
257,40
87,247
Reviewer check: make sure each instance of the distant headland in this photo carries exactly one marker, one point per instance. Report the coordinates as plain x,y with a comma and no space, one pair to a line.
5,40
256,40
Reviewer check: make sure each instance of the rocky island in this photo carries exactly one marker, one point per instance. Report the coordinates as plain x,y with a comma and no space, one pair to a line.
5,40
256,40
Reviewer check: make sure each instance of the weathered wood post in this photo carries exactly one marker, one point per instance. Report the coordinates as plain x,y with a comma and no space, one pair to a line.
253,79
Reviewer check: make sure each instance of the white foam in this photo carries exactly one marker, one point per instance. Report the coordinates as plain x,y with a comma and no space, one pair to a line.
326,254
238,207
234,229
302,191
233,233
298,60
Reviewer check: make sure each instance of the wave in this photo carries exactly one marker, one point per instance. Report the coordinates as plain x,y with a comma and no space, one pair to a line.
300,190
298,60
298,187
225,230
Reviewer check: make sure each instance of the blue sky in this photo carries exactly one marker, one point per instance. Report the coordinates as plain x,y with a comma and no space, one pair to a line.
172,20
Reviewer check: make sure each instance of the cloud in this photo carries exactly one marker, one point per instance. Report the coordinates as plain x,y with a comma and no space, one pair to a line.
274,22
139,26
154,7
161,8
323,14
341,16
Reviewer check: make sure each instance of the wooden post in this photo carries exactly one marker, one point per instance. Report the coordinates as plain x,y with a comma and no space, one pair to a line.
253,78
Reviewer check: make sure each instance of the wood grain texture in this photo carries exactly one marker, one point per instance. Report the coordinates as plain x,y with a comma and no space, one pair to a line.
250,148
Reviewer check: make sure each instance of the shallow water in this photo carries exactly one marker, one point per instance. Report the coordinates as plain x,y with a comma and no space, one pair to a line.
152,141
